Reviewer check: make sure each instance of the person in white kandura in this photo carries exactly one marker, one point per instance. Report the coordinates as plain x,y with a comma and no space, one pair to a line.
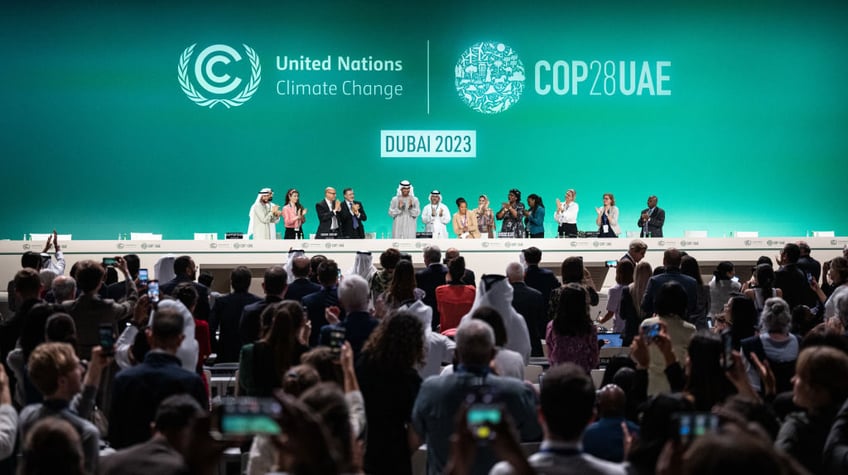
264,216
404,210
436,216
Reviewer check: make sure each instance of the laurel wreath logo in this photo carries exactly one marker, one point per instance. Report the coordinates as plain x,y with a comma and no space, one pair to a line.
199,99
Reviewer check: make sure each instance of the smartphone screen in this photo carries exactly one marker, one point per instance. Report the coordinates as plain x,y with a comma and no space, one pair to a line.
727,349
337,339
612,263
691,425
142,276
153,291
107,339
109,261
652,331
242,417
482,419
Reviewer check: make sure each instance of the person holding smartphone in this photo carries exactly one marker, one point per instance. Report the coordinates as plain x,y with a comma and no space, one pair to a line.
669,309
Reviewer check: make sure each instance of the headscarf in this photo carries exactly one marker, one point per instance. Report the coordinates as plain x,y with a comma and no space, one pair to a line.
187,352
293,253
495,291
262,192
363,266
403,184
163,270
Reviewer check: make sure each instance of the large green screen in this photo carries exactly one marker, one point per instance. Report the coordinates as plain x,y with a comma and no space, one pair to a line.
733,114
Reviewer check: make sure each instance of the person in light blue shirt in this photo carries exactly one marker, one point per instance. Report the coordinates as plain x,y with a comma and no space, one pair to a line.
535,216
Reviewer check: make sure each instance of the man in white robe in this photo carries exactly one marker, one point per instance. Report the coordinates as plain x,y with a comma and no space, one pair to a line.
436,216
404,210
264,216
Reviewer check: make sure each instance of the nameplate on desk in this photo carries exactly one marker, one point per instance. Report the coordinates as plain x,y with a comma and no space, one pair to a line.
330,235
424,235
234,236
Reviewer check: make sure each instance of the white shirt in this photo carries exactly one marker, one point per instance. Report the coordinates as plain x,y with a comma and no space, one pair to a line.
568,215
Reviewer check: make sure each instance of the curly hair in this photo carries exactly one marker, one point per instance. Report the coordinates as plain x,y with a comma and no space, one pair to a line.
397,343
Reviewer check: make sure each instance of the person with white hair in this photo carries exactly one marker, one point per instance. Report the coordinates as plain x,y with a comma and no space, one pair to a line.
496,292
363,266
358,323
404,210
438,349
264,216
774,344
436,216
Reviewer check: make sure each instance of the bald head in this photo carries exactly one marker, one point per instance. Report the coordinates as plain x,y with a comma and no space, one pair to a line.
514,272
611,401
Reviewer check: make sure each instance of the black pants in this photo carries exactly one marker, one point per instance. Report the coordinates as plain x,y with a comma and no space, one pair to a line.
538,235
567,230
292,233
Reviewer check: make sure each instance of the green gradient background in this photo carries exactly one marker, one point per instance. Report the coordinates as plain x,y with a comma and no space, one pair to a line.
97,138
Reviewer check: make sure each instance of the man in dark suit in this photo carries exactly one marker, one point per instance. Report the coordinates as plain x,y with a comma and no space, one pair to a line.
792,280
137,391
529,303
652,219
164,453
807,263
358,324
186,271
226,315
671,262
536,277
468,278
316,303
328,211
431,277
274,285
635,252
351,217
301,286
118,290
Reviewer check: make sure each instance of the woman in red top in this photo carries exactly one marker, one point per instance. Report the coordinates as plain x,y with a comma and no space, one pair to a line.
455,298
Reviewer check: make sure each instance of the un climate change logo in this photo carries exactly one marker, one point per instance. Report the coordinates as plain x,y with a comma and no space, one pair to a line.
490,77
221,86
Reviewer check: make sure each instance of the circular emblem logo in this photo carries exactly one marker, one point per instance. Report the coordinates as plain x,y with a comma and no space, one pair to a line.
120,245
213,245
210,73
26,247
236,245
490,77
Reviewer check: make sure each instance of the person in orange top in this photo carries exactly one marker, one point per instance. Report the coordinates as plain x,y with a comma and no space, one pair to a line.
455,298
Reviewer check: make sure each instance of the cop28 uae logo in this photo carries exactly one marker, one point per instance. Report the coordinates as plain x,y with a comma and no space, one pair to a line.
220,87
490,77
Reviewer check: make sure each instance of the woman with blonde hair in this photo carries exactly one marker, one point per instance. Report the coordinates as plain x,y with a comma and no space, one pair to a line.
630,308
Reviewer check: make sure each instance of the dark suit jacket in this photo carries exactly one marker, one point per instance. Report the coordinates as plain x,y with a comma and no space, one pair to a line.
469,278
250,323
357,327
201,311
137,392
529,303
427,280
793,282
226,315
315,304
154,456
671,275
655,224
808,264
116,291
325,217
301,288
346,222
542,280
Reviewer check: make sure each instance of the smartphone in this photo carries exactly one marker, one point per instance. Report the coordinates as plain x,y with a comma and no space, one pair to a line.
612,263
153,291
809,278
652,331
109,262
143,276
107,339
691,425
727,349
482,419
239,418
337,339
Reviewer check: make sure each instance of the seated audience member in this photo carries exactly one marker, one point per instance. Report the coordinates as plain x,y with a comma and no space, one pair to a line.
250,324
774,344
317,303
138,391
380,281
820,388
164,453
537,277
455,298
441,397
530,304
262,364
567,405
51,447
56,371
494,291
792,280
722,286
689,266
604,438
358,322
670,307
118,290
89,310
186,271
432,276
300,286
671,262
571,336
8,418
387,373
402,290
438,349
227,312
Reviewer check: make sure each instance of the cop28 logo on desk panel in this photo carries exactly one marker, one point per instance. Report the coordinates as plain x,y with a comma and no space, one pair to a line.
216,72
490,77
